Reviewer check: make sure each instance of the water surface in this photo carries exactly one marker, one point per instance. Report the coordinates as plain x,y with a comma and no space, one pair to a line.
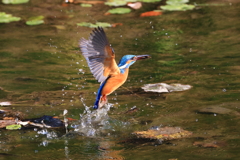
43,73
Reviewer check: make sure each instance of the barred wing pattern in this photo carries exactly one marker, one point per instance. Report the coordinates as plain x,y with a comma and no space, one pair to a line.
99,55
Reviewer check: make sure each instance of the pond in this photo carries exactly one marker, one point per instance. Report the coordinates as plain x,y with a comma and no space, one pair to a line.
43,73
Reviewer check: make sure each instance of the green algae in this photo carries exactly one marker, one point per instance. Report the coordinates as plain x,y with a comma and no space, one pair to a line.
7,18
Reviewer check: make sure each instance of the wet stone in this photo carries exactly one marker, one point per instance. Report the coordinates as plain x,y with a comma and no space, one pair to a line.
9,114
163,133
163,87
4,123
48,120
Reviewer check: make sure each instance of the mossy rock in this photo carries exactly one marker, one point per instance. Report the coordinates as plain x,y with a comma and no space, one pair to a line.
163,133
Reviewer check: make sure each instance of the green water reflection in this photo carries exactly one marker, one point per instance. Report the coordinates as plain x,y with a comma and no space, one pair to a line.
42,73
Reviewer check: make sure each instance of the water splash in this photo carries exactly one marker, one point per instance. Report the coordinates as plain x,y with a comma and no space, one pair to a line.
92,122
49,134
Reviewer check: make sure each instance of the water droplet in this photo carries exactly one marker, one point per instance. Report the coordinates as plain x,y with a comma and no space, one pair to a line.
65,112
44,131
224,90
196,120
45,143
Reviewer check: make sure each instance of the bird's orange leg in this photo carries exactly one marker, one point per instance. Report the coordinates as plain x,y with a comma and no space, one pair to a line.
104,98
103,101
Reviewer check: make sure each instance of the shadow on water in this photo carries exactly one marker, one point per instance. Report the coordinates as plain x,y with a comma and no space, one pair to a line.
43,73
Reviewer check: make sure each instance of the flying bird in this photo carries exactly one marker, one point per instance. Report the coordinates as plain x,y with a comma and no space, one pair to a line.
100,57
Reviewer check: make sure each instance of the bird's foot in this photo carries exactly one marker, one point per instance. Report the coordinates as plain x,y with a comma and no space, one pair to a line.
102,101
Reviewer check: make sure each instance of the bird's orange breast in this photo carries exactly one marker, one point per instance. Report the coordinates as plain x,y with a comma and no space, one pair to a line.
114,82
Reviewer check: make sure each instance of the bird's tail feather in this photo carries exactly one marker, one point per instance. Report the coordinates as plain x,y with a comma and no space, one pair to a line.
100,99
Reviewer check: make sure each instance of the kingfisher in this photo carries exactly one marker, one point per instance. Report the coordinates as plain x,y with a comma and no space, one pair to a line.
100,57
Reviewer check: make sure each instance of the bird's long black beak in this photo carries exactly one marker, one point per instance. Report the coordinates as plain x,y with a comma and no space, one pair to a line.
138,57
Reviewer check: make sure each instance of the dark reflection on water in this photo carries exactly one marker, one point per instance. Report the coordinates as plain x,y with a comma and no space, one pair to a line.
43,73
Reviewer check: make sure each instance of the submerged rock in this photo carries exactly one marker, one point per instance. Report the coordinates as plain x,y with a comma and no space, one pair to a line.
210,144
217,110
163,133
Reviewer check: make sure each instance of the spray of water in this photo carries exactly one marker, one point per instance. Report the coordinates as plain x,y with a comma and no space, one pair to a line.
92,122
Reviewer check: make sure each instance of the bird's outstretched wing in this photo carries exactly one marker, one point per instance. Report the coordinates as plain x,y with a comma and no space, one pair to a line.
99,55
